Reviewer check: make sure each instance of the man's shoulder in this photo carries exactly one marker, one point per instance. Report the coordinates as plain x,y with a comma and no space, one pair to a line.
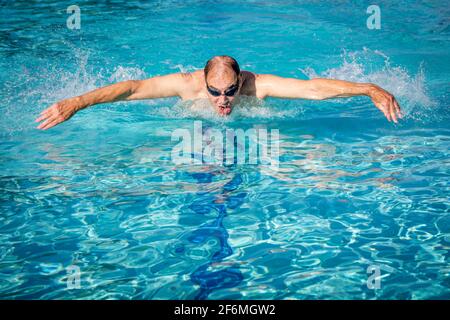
253,79
192,83
252,83
194,75
194,79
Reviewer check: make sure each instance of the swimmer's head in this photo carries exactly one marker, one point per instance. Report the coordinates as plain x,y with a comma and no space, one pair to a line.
223,82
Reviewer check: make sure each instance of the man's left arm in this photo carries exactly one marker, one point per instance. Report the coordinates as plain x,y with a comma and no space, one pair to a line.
320,89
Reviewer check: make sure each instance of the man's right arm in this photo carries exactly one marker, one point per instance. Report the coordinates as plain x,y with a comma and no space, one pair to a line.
156,87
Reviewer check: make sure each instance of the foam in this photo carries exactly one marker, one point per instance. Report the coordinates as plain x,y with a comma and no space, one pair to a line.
364,66
248,107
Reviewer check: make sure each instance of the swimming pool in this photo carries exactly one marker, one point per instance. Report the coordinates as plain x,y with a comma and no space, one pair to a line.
353,195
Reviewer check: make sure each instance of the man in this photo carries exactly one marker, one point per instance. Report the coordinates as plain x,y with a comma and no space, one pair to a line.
221,82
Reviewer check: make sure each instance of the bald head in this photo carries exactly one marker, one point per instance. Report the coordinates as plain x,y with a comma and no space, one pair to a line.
222,77
222,65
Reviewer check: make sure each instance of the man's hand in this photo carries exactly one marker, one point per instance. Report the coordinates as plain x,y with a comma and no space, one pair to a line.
386,102
57,113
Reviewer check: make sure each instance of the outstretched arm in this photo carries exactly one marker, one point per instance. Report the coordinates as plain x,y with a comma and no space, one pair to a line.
320,89
156,87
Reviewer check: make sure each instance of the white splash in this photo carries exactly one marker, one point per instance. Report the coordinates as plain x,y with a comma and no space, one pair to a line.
363,66
126,73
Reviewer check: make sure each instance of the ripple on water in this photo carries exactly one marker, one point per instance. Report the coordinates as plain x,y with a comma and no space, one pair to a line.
101,191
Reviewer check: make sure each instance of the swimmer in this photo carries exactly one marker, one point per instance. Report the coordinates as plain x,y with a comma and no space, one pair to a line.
221,82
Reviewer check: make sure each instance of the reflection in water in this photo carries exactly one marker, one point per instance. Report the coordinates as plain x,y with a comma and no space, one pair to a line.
227,277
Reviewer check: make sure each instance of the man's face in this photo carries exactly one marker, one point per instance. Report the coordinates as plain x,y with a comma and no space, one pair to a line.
222,87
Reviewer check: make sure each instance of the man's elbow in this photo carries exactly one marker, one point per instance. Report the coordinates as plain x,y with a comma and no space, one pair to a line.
133,88
316,90
134,85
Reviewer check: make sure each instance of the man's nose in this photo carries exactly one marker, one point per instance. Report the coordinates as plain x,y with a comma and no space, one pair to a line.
223,98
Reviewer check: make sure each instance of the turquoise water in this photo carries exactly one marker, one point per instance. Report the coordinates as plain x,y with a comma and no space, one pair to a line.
100,192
